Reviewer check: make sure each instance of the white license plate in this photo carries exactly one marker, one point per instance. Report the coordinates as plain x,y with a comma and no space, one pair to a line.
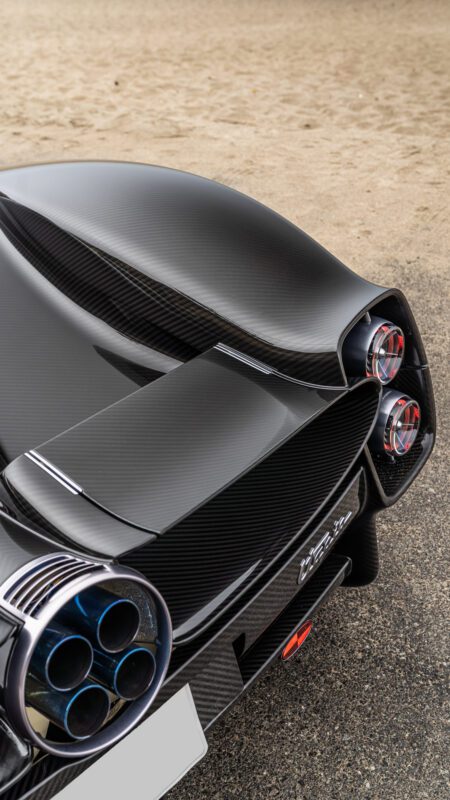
150,760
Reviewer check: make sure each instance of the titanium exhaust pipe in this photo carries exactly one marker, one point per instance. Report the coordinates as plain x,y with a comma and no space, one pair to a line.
80,712
62,659
129,674
66,608
110,621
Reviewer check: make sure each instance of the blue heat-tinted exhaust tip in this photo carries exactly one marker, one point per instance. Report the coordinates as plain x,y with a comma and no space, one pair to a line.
129,674
62,658
112,622
80,712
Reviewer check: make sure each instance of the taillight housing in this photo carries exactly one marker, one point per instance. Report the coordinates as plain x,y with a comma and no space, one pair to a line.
397,425
374,348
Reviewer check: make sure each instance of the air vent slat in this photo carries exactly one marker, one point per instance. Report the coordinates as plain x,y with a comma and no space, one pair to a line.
14,594
31,610
55,578
34,586
37,585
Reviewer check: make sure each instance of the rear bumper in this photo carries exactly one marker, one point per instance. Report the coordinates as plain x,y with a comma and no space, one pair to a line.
303,607
222,665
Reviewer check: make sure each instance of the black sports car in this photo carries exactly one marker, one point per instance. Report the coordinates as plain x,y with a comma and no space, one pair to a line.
202,412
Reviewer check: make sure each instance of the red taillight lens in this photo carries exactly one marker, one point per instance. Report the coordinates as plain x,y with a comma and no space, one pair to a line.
296,641
397,425
402,426
375,348
385,353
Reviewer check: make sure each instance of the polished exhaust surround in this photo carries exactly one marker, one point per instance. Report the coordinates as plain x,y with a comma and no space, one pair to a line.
91,655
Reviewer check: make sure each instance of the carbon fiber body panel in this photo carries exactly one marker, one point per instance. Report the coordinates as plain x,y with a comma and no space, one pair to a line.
149,459
174,400
243,529
208,457
234,270
59,363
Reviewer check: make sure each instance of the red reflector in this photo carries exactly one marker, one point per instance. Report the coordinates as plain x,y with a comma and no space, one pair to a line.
296,641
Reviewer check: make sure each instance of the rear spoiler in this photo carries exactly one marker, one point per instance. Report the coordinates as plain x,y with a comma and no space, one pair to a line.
135,469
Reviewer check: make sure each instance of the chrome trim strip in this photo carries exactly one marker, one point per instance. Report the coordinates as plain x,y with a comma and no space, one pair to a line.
54,472
251,362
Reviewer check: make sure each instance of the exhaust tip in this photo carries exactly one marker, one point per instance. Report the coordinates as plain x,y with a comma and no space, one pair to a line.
69,663
87,711
134,674
108,622
62,658
118,625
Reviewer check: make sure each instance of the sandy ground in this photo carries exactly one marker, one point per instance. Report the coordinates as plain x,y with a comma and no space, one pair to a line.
337,114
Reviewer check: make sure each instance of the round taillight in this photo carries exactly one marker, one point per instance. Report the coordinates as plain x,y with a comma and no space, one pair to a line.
375,348
397,425
385,353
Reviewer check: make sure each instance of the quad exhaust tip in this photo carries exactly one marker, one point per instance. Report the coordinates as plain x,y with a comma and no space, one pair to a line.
90,659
